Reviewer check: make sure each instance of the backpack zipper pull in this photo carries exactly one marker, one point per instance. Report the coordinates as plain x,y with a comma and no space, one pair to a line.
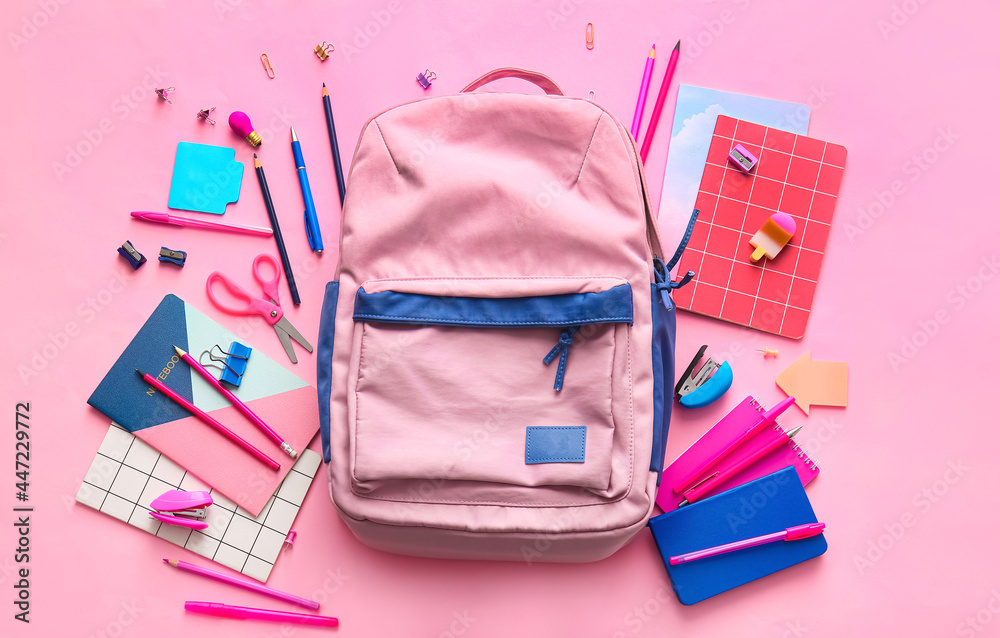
562,349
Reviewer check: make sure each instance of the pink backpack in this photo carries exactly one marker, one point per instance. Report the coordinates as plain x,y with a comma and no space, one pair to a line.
500,382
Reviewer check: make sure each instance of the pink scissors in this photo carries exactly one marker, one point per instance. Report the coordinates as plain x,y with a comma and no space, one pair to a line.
267,307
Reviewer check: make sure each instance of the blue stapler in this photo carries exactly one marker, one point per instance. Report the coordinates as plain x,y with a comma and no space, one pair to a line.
701,388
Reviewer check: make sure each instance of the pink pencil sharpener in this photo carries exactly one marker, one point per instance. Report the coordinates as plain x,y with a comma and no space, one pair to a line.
743,159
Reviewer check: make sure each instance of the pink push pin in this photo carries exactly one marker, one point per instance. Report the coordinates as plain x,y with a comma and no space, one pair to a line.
772,236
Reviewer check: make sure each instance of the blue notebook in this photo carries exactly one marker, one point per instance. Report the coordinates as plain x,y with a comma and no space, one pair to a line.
768,504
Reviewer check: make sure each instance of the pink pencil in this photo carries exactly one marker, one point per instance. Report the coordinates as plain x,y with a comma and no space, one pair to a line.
237,403
661,97
788,534
207,418
245,584
643,90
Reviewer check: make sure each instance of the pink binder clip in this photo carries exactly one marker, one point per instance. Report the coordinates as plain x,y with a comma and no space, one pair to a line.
186,509
425,78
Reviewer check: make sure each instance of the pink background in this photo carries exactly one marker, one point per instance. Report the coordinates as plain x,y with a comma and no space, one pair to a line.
908,294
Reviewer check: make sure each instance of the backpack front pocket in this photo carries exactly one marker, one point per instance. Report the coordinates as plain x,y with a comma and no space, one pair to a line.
513,388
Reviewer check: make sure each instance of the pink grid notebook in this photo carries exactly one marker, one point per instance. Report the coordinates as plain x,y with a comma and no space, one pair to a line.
794,174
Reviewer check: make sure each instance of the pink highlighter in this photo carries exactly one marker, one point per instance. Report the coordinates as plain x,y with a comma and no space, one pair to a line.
252,613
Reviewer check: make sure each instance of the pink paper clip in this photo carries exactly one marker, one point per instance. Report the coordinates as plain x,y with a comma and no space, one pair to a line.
185,509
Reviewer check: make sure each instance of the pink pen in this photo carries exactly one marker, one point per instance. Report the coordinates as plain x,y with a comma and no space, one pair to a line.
789,534
766,419
174,220
237,403
711,482
252,613
245,584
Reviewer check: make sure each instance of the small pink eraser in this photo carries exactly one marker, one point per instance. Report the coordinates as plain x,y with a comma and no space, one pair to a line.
772,236
743,159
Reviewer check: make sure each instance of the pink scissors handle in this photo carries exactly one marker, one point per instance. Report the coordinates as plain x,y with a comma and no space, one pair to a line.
270,285
270,312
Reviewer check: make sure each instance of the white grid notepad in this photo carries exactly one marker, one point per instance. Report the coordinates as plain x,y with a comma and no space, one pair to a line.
127,474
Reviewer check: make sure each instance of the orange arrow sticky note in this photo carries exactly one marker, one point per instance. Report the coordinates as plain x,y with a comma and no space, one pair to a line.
815,382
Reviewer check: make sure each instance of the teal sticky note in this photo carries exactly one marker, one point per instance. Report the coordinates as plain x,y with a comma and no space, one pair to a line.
206,178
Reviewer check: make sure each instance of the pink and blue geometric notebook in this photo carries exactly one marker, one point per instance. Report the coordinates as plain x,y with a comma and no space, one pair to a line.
284,401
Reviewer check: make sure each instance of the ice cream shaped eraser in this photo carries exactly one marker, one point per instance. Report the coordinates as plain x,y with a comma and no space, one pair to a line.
772,236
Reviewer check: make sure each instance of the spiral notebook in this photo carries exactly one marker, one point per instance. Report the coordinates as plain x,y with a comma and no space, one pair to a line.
738,421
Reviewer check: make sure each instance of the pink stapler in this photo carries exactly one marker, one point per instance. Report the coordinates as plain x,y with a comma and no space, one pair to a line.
187,509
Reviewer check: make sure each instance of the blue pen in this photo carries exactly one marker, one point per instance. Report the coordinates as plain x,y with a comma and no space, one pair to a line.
312,223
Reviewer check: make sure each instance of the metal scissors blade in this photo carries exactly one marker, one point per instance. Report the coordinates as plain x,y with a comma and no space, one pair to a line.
285,326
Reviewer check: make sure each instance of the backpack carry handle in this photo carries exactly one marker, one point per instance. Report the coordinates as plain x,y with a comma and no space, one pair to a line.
540,80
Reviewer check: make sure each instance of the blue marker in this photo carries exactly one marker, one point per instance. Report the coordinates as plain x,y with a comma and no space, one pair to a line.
312,223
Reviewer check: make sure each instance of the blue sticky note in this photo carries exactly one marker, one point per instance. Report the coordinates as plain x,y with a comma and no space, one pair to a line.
555,444
206,178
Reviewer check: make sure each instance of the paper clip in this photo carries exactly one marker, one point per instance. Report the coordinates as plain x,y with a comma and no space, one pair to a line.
234,362
162,93
592,96
590,35
426,77
205,114
266,61
323,50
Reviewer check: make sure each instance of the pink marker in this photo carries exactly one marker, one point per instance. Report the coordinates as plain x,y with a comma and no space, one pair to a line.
789,534
252,613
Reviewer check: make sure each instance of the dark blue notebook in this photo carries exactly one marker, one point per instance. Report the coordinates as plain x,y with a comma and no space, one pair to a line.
768,504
